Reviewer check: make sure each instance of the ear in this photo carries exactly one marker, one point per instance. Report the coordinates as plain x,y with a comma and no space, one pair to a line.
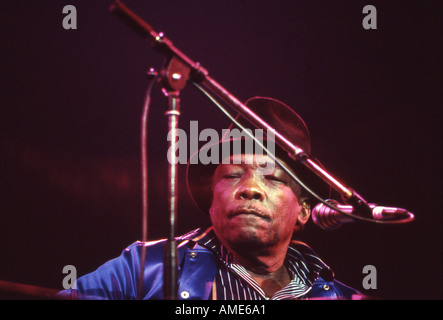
303,215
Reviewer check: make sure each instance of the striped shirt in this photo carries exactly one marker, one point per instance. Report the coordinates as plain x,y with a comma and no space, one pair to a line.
233,282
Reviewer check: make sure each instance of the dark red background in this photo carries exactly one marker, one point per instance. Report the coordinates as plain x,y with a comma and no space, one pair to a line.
70,126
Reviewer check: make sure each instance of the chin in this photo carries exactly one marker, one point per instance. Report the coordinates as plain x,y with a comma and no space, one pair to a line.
250,239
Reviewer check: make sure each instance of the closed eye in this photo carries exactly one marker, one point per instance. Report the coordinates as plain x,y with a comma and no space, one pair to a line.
231,176
275,178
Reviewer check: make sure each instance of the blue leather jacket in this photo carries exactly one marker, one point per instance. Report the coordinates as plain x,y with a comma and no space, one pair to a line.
118,278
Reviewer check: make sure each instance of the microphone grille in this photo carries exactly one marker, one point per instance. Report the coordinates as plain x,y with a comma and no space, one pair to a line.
327,218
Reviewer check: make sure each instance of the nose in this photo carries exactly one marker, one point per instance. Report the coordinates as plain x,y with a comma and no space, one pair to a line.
250,190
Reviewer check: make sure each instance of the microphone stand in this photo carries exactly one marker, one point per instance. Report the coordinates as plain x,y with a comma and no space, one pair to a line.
173,78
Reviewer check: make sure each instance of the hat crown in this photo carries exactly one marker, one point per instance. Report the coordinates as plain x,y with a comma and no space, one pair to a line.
280,117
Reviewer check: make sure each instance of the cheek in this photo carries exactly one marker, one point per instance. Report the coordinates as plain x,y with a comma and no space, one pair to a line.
222,194
289,209
220,199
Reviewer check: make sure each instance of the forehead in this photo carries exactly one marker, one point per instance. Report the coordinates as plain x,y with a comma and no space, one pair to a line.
265,164
254,159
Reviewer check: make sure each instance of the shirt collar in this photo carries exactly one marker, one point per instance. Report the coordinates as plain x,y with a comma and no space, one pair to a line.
301,260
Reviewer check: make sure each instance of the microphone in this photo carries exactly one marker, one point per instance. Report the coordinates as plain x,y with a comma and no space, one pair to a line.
330,219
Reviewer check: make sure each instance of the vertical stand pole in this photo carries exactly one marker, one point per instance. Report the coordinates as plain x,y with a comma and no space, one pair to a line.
171,258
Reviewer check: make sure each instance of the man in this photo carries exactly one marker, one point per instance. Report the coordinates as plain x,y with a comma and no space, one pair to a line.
249,252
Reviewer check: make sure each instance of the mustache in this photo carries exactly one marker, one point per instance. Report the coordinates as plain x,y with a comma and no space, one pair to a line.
250,209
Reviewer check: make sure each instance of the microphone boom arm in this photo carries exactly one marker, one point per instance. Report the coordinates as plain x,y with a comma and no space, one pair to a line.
198,74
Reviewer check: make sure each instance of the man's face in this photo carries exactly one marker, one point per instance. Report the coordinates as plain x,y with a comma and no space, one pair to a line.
252,206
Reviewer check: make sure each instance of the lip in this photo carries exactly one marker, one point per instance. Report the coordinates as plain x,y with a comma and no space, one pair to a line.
250,211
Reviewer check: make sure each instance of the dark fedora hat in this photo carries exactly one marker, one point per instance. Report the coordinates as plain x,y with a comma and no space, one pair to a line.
280,117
